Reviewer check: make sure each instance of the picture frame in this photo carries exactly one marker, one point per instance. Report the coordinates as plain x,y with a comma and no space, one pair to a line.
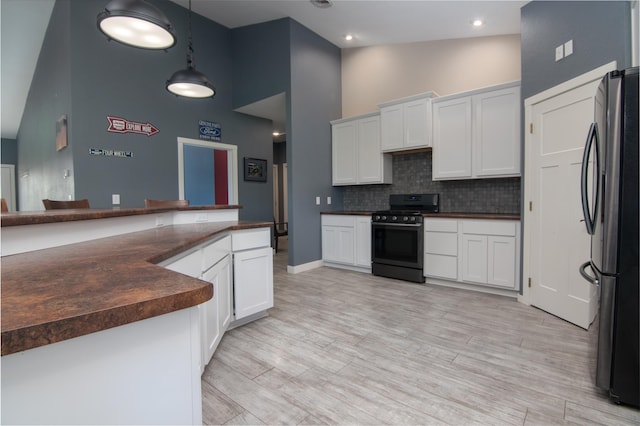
255,169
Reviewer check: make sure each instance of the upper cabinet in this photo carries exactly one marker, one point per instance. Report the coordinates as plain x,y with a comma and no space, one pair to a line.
405,124
476,134
356,155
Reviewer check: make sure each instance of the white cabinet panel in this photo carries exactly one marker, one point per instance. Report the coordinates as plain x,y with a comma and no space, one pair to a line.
476,134
474,258
445,243
250,238
253,281
215,313
440,266
406,123
363,242
338,244
501,261
452,139
356,152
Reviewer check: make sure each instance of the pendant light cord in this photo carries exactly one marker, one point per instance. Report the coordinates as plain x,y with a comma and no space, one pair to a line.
190,61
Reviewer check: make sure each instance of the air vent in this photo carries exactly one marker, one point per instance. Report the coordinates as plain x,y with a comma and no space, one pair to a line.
323,4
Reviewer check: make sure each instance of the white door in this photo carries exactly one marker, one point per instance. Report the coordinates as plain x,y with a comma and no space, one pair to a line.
558,242
9,186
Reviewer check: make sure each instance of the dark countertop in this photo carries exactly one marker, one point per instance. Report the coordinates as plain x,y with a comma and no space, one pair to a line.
491,216
69,215
69,291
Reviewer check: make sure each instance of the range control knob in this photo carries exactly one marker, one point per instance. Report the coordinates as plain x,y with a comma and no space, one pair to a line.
413,218
405,218
376,217
384,218
394,218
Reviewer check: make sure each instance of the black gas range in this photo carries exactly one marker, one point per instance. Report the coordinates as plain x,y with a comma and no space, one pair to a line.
397,236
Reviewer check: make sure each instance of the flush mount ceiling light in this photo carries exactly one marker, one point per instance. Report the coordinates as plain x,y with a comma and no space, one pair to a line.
189,82
136,23
348,37
477,23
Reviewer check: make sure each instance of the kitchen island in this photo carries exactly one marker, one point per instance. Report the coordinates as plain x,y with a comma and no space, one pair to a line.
93,330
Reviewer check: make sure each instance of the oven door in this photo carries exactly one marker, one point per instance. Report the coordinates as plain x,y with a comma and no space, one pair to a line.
397,244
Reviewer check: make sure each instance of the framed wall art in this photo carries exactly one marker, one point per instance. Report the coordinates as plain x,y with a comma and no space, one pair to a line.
255,169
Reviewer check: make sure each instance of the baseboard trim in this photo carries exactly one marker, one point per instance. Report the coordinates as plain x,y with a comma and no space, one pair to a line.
304,267
473,287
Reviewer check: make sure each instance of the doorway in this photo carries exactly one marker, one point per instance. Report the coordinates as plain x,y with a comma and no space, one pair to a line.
555,242
207,172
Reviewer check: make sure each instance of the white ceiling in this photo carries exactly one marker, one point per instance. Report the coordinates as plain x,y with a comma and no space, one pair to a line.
371,23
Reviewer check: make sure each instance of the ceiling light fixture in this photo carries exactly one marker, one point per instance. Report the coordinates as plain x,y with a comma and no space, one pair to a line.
136,23
189,82
322,4
348,37
477,23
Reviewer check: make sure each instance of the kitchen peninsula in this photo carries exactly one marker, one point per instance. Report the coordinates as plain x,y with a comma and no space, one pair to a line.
94,330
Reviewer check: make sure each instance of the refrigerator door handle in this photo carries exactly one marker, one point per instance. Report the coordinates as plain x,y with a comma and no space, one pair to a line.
589,219
586,276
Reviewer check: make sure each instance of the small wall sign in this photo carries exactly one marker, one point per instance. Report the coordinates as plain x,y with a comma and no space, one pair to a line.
121,125
209,130
110,153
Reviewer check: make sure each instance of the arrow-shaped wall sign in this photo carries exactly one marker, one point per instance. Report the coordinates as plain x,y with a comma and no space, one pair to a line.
121,125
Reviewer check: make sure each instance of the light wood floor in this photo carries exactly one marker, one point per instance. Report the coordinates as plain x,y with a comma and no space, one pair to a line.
343,347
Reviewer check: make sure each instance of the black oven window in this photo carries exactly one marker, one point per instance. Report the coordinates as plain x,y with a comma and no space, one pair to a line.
396,244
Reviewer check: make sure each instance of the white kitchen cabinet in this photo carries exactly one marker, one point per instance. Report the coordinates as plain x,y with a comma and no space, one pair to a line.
441,248
216,313
346,241
476,134
356,152
363,241
477,252
252,272
405,123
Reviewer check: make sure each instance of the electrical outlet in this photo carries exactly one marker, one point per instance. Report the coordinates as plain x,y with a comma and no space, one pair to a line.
568,48
115,199
559,52
328,200
317,201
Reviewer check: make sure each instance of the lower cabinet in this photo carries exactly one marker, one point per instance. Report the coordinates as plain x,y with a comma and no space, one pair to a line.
484,252
240,268
346,241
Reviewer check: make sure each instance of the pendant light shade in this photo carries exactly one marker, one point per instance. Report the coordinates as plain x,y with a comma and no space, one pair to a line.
136,23
189,82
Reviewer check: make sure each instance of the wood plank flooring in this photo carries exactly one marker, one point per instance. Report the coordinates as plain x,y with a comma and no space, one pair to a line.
343,347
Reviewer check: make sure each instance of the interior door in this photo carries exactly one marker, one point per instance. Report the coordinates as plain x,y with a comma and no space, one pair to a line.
559,243
9,186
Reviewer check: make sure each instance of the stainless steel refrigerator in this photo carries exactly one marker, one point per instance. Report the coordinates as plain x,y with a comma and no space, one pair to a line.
610,204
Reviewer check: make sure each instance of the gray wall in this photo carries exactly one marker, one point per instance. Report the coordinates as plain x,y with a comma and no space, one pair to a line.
107,78
315,100
412,174
41,168
600,30
283,56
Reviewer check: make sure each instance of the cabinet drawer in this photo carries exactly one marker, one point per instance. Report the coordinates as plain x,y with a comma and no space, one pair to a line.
441,243
337,220
249,239
439,266
440,225
215,252
506,228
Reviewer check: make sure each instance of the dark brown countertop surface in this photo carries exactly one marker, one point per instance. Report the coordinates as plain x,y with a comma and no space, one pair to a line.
59,293
492,216
70,215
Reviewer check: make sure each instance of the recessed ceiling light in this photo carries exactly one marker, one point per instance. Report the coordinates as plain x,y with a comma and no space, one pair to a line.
348,37
477,23
322,4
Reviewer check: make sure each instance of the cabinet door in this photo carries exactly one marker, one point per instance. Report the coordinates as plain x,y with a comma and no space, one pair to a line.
441,255
416,124
369,154
501,261
338,244
391,128
344,139
253,281
452,139
474,258
209,324
224,295
497,133
363,242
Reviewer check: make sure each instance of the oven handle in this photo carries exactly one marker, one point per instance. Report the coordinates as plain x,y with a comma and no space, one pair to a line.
411,225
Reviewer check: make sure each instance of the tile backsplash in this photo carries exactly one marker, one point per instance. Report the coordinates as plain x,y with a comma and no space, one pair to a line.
412,174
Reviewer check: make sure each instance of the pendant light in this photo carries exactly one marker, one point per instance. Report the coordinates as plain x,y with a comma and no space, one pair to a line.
136,23
189,82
